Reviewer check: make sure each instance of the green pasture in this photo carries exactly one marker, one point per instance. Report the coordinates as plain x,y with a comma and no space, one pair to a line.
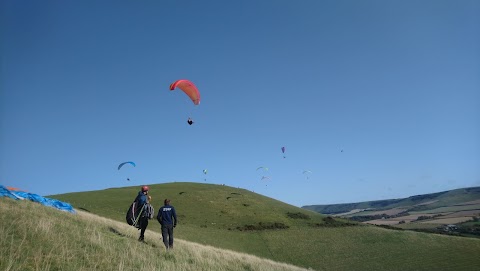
35,237
206,216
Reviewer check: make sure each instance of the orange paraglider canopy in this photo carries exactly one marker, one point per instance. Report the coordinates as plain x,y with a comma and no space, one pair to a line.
189,88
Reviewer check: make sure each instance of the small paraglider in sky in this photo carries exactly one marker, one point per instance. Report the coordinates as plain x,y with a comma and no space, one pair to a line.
307,173
125,163
190,89
262,168
205,173
283,151
265,178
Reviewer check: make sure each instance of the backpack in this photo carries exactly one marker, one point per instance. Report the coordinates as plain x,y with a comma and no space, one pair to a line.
133,214
148,211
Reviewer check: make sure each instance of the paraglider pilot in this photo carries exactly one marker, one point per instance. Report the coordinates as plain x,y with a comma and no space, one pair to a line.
190,121
142,200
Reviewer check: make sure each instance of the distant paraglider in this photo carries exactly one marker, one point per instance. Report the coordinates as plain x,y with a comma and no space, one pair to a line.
265,178
205,171
263,170
283,151
125,163
307,173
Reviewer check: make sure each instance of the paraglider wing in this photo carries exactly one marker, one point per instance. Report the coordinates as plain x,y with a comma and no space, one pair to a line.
121,165
205,171
283,149
306,173
264,168
189,88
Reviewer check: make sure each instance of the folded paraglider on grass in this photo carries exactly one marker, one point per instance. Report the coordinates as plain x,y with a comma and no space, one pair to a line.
21,195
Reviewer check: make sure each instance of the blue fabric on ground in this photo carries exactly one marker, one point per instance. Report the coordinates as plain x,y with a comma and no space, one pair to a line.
4,192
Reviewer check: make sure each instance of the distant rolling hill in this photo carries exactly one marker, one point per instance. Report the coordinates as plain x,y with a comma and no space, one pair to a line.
243,221
427,211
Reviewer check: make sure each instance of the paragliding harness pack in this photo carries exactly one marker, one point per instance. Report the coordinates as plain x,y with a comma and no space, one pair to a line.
134,213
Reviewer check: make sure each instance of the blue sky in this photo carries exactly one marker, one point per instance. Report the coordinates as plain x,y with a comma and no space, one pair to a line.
378,99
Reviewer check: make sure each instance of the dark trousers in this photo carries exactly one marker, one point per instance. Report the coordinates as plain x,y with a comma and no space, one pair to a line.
167,234
143,223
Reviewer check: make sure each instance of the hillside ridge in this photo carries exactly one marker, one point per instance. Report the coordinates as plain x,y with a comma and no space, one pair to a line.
440,198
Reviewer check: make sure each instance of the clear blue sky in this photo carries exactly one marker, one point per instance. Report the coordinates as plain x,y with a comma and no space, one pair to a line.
394,84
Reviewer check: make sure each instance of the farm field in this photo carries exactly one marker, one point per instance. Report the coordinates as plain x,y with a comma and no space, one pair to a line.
451,220
447,209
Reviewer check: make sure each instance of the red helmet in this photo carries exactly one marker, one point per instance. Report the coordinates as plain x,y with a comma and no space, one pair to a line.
145,188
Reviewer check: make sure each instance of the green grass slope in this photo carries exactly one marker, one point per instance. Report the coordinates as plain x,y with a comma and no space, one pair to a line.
239,220
414,203
35,237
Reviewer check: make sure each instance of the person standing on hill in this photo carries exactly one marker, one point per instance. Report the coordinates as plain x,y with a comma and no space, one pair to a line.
144,217
167,217
142,200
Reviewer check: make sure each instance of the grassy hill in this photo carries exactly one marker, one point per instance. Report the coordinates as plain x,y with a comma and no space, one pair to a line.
35,237
240,220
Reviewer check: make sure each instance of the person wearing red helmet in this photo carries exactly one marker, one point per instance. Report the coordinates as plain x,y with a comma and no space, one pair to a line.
142,201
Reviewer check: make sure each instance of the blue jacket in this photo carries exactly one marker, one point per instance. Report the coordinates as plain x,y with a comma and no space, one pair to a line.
141,198
167,215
